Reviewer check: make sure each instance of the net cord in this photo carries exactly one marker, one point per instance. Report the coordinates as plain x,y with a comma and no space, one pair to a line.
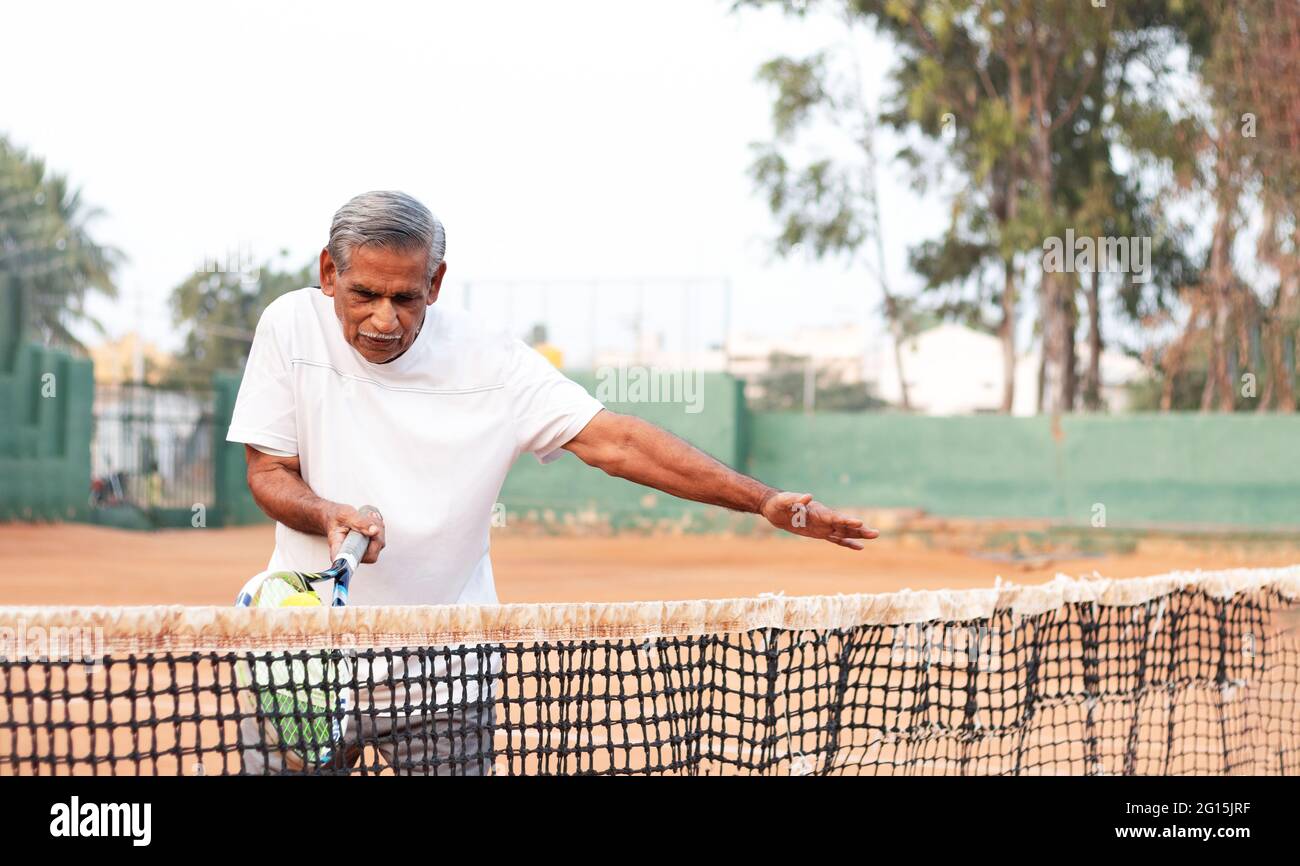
173,629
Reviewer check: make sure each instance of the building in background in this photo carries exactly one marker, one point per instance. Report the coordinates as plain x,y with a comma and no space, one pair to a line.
838,350
951,369
129,358
955,370
653,353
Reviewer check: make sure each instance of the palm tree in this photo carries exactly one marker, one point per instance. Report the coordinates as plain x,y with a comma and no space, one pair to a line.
47,249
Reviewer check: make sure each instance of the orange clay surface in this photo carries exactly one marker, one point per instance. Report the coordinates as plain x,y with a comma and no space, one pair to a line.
80,564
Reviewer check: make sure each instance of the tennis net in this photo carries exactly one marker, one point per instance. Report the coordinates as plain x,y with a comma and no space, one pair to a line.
1188,673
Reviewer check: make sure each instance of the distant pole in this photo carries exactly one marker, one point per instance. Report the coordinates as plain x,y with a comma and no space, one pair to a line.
546,308
137,367
726,319
592,321
688,348
809,385
640,323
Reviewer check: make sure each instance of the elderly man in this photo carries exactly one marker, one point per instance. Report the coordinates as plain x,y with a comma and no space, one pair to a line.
367,391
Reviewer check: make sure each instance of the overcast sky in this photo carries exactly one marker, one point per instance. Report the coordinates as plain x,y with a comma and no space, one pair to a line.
555,141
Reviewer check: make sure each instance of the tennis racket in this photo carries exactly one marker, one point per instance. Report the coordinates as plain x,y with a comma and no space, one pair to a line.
302,699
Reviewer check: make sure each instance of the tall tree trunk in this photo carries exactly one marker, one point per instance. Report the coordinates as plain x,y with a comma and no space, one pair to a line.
1289,403
1208,391
1009,213
1051,380
1289,313
897,336
1279,389
1070,327
1270,335
1171,366
1042,384
1092,377
1285,376
1218,389
1007,334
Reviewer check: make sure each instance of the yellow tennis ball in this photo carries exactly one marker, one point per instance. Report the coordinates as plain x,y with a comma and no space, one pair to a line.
301,599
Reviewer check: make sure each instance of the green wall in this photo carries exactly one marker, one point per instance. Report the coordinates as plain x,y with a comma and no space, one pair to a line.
234,505
569,493
1233,470
1185,468
45,425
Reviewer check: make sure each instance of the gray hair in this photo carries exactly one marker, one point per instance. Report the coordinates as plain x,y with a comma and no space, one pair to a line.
389,220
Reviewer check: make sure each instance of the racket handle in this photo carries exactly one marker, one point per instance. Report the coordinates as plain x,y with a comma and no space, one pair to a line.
354,546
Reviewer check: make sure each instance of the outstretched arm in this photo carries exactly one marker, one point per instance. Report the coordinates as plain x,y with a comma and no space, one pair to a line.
628,447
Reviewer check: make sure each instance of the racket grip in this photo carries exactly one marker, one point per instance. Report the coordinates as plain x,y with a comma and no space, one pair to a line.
354,546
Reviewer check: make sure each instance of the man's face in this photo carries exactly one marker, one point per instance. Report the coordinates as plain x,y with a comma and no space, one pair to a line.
381,298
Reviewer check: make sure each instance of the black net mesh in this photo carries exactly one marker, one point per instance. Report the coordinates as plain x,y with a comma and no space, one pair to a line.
1183,683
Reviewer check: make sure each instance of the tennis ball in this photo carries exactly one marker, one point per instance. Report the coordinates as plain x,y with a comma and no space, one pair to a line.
301,599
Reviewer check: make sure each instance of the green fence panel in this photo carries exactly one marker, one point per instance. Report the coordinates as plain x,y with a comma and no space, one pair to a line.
235,505
1142,468
76,430
1230,470
568,493
46,398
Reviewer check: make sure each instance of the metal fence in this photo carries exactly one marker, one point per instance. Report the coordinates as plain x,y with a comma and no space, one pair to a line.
152,447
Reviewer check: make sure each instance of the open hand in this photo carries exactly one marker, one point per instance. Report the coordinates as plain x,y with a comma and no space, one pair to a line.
801,514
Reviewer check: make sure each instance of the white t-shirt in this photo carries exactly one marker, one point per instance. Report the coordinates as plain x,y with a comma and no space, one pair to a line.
427,438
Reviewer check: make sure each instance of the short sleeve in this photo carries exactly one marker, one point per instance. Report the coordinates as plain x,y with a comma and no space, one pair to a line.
548,407
264,410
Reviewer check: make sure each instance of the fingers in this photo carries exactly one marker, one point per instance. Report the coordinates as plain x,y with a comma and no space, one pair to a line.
850,543
347,519
372,552
843,530
856,532
800,514
372,525
844,526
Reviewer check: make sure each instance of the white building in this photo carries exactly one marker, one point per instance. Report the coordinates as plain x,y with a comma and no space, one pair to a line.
838,348
951,369
955,370
652,354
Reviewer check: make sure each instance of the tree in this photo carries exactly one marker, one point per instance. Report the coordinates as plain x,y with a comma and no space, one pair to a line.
47,247
992,225
1252,73
1030,100
1235,153
826,205
1012,76
220,312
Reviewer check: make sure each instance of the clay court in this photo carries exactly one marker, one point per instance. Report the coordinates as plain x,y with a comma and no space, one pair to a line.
631,722
80,564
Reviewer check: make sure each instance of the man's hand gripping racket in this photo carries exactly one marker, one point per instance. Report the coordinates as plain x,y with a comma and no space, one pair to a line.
302,699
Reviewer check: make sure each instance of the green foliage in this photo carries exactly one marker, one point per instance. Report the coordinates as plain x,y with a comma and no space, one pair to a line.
47,248
220,312
1187,385
799,91
1034,119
